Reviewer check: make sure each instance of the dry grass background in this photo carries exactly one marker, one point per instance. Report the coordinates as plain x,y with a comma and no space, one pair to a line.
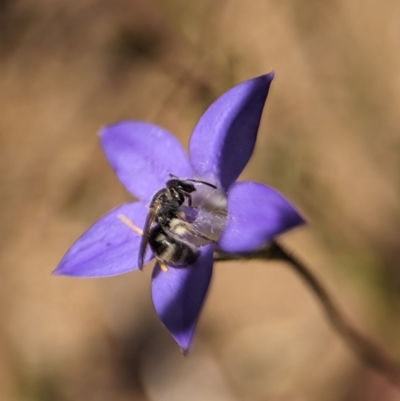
329,140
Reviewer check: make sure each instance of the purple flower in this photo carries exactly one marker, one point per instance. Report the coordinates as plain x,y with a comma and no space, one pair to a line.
240,217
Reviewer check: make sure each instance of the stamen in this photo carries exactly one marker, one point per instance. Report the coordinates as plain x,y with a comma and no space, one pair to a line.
130,224
163,266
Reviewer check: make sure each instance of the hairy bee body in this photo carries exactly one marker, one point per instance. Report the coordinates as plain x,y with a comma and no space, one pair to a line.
166,229
170,250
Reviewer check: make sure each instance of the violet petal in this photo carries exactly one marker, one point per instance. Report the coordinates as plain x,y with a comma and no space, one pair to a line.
109,247
178,296
143,155
256,214
224,138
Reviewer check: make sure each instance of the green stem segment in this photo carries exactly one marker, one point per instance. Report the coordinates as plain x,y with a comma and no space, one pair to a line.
367,350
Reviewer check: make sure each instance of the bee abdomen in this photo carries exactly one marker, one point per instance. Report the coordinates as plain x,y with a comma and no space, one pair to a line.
170,251
183,254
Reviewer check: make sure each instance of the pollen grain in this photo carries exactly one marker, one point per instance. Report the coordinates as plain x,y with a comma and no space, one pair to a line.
163,267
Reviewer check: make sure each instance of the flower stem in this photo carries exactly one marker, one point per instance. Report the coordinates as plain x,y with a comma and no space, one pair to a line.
366,349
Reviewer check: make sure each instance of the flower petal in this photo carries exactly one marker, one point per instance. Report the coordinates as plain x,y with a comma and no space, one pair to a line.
224,138
256,214
178,296
109,247
143,155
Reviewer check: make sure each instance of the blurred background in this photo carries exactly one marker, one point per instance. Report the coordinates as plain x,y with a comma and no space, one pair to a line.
329,140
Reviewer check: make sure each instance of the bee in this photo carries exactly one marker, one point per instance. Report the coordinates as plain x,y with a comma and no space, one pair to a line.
166,229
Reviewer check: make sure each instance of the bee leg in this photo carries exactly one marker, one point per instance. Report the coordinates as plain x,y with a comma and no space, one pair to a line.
130,224
163,266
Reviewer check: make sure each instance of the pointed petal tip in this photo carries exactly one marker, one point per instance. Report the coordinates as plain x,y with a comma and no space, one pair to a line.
297,217
100,131
104,129
184,341
61,270
267,78
57,272
301,220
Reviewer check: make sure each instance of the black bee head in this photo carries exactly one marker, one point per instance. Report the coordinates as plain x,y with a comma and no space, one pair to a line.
181,186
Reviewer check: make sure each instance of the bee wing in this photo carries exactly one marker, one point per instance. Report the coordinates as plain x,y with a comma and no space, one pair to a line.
145,237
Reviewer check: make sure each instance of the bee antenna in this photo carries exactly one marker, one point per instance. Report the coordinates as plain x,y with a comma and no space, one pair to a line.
172,175
202,182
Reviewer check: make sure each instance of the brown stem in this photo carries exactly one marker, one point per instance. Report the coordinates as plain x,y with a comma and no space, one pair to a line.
367,350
